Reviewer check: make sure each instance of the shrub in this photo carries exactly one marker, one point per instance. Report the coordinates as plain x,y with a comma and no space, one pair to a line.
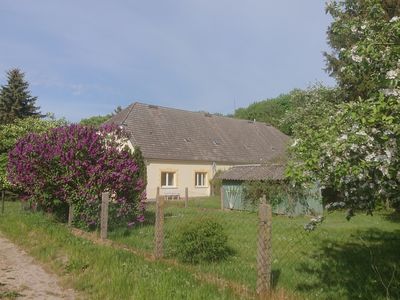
201,240
75,164
11,133
276,192
216,184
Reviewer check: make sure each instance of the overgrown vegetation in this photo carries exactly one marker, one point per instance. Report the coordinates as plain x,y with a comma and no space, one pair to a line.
348,138
11,133
216,184
352,145
331,262
340,260
272,190
74,165
101,272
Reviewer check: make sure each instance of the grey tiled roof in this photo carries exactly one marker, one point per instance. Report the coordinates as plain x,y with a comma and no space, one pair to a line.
167,133
260,172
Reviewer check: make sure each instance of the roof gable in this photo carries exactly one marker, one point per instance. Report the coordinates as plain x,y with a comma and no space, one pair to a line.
167,133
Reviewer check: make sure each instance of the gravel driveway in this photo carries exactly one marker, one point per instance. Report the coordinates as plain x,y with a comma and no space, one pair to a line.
22,278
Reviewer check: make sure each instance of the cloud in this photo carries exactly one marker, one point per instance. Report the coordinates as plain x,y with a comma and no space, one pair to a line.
199,55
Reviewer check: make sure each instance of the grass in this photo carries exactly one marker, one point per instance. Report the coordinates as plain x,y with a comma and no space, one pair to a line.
341,259
359,259
10,295
100,272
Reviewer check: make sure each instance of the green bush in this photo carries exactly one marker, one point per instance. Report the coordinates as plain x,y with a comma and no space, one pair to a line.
201,240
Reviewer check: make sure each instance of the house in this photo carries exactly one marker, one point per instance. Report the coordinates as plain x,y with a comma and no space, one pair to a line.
233,180
185,149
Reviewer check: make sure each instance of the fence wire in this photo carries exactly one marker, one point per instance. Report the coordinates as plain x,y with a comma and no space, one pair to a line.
339,259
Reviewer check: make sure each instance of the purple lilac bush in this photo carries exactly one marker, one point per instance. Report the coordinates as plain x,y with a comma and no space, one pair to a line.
76,164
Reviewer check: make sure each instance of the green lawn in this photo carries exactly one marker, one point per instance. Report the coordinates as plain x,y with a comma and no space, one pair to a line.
339,260
100,272
336,261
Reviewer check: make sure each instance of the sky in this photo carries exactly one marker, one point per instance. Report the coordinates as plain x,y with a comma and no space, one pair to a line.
85,58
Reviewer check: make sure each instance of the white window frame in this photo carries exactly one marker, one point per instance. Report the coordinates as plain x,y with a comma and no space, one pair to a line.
200,179
167,175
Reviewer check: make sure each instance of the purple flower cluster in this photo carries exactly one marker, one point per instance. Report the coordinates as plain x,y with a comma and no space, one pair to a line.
76,164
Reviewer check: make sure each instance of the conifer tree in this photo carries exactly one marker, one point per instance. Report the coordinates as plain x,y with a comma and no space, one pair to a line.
16,101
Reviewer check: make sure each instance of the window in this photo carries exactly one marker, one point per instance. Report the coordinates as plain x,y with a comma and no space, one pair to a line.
200,179
167,179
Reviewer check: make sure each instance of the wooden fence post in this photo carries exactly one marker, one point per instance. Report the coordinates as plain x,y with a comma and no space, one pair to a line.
159,228
186,197
2,202
264,255
105,197
70,214
222,198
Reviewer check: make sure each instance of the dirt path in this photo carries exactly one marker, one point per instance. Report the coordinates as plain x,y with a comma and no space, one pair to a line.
22,278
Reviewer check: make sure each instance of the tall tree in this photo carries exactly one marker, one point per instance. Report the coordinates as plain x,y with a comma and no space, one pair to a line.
16,101
354,146
272,111
97,121
365,39
94,121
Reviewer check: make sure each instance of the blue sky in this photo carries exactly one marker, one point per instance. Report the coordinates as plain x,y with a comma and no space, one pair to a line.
84,58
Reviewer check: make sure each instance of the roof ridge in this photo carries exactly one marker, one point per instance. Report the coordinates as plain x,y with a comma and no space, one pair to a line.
266,164
130,107
198,112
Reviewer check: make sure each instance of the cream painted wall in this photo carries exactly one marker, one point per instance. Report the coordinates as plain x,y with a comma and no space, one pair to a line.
185,177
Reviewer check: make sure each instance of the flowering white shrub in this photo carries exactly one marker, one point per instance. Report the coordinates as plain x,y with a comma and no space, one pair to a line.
352,144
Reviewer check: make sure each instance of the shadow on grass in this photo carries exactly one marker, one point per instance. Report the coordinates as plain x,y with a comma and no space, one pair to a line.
124,230
367,268
275,274
393,217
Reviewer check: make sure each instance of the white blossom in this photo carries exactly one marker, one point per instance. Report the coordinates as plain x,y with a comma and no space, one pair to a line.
343,137
388,132
384,170
355,127
389,154
392,74
394,19
361,132
296,141
374,130
356,58
391,92
370,157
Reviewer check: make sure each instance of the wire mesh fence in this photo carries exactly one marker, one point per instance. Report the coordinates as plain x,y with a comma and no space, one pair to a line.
279,255
339,259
